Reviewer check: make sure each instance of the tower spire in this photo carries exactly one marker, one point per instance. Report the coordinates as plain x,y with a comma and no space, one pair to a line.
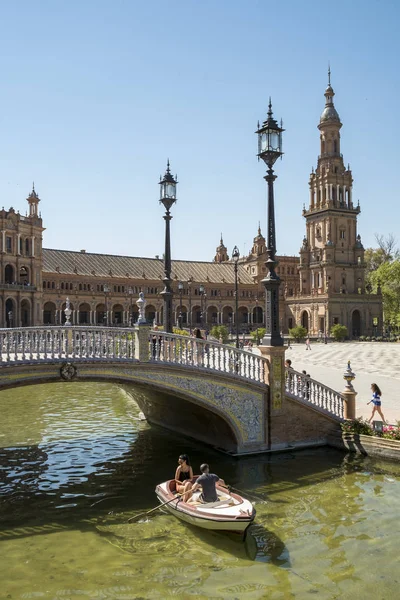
329,73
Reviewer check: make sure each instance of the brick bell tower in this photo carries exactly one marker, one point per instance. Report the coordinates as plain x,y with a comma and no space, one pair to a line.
332,268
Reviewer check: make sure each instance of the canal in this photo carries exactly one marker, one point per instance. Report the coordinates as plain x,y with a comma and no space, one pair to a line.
76,463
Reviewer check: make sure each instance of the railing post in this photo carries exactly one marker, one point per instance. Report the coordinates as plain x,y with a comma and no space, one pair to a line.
349,394
142,345
275,374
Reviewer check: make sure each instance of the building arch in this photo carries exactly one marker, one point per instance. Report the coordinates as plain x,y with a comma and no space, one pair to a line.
243,315
84,313
101,316
24,275
10,313
150,313
212,315
258,315
305,320
49,313
356,323
26,312
227,315
196,314
9,274
117,314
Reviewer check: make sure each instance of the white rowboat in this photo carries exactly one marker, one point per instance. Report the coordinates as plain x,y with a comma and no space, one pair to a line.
231,512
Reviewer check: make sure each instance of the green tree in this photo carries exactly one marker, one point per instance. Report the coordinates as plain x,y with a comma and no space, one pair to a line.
298,333
339,332
220,332
258,334
383,270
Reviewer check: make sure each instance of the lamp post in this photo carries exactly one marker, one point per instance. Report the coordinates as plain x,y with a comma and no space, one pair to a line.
106,291
130,292
202,292
180,288
235,258
168,199
190,303
269,150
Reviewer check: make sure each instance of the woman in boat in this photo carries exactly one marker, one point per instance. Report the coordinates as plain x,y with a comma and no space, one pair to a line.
183,475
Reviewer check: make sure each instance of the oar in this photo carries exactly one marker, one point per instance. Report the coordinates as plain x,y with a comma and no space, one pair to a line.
154,509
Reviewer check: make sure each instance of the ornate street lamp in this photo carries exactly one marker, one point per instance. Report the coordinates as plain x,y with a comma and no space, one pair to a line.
235,258
106,291
167,198
130,292
202,292
190,303
269,150
180,288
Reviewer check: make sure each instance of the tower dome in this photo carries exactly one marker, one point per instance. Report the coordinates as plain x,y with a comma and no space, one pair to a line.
329,113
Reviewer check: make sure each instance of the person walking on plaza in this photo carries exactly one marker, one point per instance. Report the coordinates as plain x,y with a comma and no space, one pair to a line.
308,343
376,401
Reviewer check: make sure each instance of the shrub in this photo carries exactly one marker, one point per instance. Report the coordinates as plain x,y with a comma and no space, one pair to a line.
357,426
260,332
367,339
361,338
298,333
218,332
391,433
339,332
177,331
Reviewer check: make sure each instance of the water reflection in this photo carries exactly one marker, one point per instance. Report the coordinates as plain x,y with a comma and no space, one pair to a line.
76,463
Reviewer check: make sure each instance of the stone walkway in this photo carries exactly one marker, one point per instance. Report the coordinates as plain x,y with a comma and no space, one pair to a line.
372,362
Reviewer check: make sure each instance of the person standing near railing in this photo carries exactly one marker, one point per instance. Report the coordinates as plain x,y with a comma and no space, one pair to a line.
198,348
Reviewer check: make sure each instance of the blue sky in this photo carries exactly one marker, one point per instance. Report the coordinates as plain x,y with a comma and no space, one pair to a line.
95,95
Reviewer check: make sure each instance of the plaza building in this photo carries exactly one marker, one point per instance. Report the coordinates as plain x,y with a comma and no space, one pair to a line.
323,286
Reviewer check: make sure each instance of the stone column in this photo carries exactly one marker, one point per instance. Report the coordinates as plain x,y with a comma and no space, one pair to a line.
142,345
275,375
349,394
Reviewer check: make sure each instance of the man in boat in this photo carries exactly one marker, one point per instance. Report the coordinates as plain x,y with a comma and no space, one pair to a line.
207,482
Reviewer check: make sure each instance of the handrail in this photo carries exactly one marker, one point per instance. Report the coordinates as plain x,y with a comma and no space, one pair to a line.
206,354
304,388
25,345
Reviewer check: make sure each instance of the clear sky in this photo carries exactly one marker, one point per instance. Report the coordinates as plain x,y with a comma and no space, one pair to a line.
95,95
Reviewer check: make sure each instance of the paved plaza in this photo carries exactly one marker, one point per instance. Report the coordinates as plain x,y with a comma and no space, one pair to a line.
372,362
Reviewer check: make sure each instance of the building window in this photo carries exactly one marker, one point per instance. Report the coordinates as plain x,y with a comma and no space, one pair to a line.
8,244
290,323
342,234
27,248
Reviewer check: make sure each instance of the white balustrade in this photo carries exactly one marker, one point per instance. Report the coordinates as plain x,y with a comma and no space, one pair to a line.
205,354
51,344
302,387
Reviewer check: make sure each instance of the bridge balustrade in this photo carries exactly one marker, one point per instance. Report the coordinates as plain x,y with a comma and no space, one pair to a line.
205,354
50,344
303,388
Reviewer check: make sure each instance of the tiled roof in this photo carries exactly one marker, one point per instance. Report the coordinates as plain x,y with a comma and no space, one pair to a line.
107,265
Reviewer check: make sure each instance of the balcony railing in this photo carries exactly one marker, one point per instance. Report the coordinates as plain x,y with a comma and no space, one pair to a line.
18,287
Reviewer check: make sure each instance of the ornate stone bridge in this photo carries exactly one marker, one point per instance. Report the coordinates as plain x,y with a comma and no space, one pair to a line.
210,391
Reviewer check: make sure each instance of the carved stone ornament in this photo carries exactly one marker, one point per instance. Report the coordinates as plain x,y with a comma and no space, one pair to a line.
68,371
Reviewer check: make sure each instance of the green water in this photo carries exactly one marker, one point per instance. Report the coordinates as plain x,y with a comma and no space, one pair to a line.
76,464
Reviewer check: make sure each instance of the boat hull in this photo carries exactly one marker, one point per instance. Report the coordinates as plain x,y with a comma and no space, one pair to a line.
223,517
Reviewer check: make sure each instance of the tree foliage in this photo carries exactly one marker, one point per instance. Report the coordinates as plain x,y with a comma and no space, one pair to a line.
339,332
298,333
258,334
220,332
383,270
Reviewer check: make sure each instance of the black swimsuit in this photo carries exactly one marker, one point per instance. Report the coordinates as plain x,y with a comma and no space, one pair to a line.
184,476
